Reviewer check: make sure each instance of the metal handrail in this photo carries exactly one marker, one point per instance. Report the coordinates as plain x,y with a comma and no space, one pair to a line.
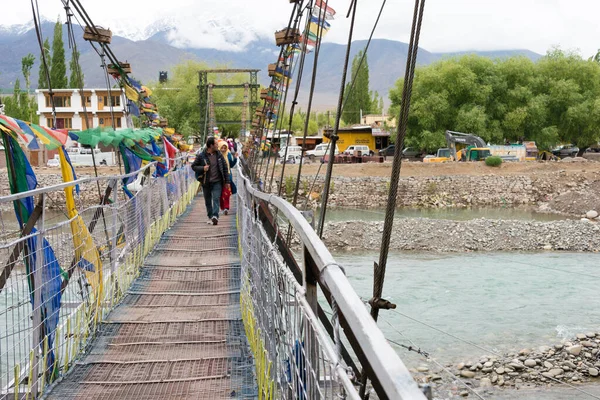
393,375
60,186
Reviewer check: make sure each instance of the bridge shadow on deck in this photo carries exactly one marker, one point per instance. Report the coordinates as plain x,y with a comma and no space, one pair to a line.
178,334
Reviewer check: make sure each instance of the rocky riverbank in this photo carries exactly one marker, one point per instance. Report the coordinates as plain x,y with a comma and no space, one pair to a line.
564,192
422,234
576,361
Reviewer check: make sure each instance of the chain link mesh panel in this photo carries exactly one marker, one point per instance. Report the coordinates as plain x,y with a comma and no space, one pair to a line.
294,356
60,282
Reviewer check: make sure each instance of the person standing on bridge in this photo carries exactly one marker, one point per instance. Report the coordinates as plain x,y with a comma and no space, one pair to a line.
231,160
212,172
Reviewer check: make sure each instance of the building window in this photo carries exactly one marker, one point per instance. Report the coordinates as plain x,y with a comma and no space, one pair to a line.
61,123
59,101
116,101
101,121
87,101
118,122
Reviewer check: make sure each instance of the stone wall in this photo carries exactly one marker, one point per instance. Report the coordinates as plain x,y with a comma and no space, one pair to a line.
449,191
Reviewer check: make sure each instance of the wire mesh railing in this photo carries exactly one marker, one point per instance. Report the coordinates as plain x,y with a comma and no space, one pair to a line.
295,355
59,282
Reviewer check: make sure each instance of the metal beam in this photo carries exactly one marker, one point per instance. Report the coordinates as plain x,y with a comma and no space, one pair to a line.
228,71
239,104
242,86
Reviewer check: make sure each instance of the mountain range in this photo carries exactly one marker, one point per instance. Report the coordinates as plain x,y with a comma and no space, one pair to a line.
151,50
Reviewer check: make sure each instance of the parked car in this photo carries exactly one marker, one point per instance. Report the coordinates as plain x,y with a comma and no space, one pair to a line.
412,152
321,150
595,148
292,151
53,162
364,150
388,151
567,150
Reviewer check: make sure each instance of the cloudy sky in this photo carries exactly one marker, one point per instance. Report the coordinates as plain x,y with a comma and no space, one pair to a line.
448,25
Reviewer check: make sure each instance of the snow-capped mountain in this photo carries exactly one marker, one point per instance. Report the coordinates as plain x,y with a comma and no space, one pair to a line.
126,29
215,41
19,29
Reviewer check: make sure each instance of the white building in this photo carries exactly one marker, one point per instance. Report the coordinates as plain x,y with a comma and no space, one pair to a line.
69,108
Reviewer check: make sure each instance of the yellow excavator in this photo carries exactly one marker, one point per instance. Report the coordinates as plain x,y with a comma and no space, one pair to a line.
461,147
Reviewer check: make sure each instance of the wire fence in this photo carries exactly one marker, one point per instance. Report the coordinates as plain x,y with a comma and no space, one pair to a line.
295,355
59,282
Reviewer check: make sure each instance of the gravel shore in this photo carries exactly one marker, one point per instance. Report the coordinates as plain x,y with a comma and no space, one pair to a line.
443,236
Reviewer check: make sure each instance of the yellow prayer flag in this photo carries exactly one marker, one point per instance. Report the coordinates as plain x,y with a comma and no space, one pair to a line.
86,254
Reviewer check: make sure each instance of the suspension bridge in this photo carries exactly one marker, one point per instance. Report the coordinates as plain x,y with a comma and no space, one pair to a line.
135,298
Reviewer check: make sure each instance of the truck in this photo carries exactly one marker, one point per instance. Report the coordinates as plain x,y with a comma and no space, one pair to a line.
527,151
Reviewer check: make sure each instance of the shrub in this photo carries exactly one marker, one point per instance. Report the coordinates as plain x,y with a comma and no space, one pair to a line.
493,161
290,185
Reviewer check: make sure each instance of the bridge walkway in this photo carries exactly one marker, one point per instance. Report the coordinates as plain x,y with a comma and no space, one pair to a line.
178,332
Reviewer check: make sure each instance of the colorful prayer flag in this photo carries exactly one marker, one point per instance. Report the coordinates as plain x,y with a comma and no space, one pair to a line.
86,254
22,179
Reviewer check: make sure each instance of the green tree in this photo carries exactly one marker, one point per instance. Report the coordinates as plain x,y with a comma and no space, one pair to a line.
76,77
26,65
58,69
17,106
555,100
27,105
359,98
42,78
376,104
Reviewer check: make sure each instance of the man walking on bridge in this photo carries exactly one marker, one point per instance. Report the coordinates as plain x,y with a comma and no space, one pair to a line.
211,171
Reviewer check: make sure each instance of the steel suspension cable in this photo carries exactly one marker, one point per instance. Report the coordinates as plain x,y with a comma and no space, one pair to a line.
281,111
336,127
38,30
364,55
379,268
353,83
313,82
295,100
79,74
281,106
486,350
297,10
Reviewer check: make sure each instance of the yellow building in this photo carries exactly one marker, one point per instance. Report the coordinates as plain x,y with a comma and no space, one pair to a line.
373,137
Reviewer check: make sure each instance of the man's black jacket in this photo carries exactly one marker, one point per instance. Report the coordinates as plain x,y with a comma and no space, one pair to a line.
203,160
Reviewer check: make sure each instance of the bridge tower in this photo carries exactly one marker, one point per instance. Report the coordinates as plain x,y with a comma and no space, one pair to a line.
207,104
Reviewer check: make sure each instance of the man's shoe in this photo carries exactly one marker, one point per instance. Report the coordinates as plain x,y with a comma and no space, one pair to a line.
225,212
209,222
215,220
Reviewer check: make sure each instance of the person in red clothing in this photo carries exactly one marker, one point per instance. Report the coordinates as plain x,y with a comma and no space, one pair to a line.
231,161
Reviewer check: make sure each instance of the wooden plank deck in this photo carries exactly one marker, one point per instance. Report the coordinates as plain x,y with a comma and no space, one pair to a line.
178,333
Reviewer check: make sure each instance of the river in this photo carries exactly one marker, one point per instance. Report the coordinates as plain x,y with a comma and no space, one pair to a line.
497,301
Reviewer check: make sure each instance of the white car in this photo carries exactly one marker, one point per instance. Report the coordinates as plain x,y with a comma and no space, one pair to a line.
364,150
53,162
292,151
321,150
